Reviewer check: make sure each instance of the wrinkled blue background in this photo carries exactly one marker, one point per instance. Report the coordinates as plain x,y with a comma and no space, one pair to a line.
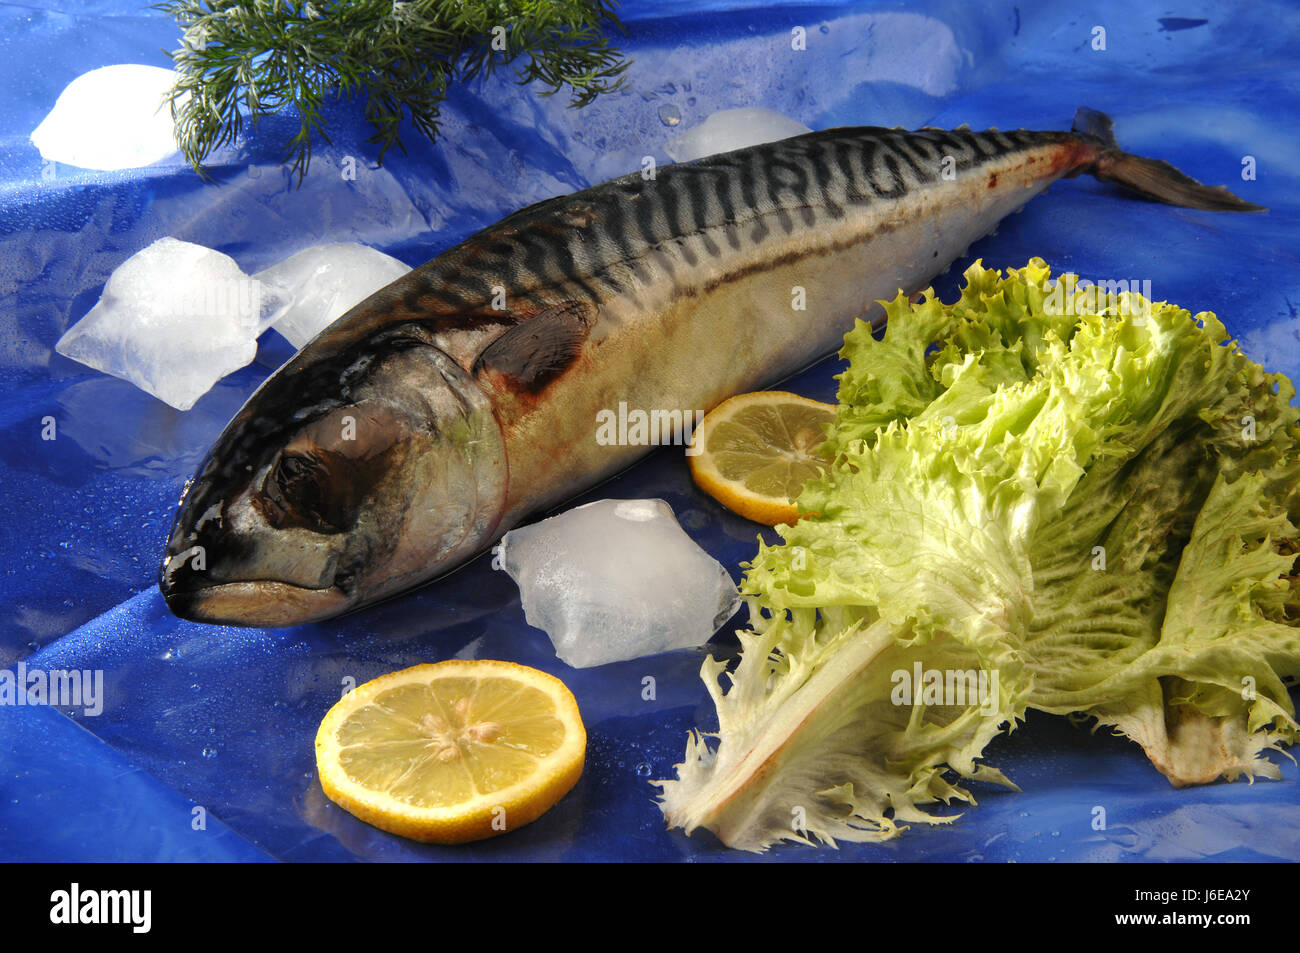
224,718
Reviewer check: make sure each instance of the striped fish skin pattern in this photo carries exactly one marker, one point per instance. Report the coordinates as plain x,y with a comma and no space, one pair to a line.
715,206
689,227
463,398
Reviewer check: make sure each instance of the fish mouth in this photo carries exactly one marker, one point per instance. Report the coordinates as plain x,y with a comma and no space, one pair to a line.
254,603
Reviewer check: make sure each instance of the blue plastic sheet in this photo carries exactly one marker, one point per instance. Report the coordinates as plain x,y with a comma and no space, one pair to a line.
222,719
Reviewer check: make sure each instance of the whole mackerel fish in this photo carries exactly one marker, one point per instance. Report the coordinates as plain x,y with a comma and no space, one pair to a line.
463,398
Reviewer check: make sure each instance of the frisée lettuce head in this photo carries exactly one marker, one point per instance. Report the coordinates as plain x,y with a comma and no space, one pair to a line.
1042,497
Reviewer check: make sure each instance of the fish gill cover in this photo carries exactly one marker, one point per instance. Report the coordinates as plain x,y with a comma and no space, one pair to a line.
1088,500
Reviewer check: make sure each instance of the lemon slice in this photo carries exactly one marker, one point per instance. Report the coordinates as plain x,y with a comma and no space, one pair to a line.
452,752
753,453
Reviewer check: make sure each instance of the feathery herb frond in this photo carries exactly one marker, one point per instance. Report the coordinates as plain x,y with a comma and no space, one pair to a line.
258,57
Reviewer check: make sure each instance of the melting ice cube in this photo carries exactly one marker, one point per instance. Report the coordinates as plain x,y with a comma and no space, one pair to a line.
616,580
732,129
325,281
174,319
114,117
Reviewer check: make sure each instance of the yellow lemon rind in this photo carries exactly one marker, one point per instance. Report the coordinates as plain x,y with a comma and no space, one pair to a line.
733,494
482,816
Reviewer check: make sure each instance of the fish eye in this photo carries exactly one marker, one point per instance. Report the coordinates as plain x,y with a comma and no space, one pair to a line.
298,491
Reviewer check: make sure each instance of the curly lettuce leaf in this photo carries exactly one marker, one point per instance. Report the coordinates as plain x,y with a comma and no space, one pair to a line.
1092,499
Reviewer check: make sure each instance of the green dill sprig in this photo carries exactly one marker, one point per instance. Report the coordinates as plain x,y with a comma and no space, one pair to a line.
262,56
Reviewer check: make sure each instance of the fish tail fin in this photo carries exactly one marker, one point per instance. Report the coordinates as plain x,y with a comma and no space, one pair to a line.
1151,178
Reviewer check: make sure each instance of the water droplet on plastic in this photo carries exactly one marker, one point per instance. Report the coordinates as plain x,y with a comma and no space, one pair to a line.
670,115
209,752
693,519
643,769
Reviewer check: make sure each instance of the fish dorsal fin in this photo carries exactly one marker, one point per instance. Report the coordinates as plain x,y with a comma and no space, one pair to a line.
532,354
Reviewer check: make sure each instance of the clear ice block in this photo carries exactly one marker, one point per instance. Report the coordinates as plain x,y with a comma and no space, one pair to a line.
616,580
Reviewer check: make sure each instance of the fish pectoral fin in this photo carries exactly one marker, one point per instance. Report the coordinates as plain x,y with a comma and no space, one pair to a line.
532,354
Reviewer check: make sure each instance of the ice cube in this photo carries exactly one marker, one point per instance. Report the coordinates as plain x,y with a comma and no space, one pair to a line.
732,129
616,580
174,319
325,281
114,117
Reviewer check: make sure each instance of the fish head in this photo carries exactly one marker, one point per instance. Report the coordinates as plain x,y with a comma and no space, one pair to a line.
354,473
